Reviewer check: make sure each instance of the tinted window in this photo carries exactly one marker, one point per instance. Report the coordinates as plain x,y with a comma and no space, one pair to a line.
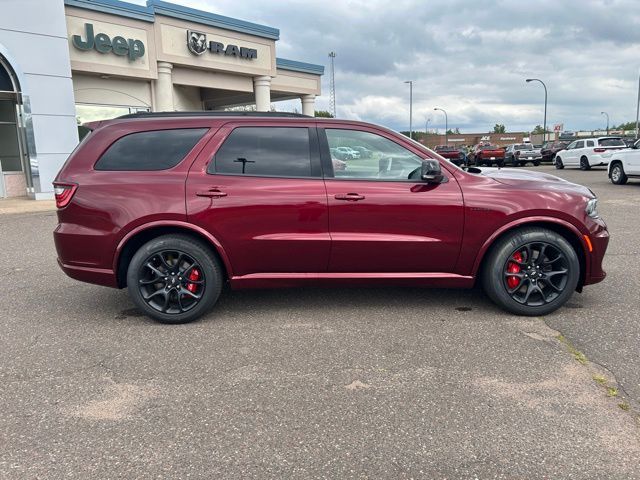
611,142
384,159
264,151
579,144
589,143
154,150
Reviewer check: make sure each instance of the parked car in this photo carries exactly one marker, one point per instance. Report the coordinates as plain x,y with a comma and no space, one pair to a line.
364,152
589,152
549,150
625,164
485,154
348,153
174,205
453,154
521,153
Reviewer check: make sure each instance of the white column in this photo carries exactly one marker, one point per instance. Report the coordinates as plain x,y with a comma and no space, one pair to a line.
164,88
262,92
308,105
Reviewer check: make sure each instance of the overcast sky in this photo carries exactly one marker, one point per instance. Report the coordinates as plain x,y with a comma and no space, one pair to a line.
469,57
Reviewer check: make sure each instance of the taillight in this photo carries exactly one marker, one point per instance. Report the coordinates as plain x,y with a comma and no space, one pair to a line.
64,193
599,150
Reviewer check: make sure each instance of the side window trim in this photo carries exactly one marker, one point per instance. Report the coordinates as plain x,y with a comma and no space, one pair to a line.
314,154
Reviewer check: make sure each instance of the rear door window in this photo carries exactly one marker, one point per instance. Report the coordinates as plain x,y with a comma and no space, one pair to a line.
151,150
265,151
589,143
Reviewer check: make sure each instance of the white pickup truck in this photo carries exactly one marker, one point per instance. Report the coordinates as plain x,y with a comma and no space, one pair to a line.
625,164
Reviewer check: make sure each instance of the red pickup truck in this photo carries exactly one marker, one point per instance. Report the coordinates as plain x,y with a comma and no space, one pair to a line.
453,154
484,154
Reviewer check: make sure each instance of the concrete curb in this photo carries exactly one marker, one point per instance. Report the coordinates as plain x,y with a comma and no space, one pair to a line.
9,206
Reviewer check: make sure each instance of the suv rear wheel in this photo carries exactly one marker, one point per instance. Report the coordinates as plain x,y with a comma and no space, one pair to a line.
531,271
558,163
618,177
174,279
584,164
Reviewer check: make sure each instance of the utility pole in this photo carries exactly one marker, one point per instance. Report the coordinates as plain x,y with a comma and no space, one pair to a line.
410,82
544,126
332,88
446,125
638,107
605,113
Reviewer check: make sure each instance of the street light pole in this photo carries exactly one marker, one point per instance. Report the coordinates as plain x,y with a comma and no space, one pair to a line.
446,125
410,82
605,113
426,125
638,108
544,127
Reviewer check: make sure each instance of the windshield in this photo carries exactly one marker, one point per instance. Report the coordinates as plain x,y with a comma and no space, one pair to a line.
489,147
524,146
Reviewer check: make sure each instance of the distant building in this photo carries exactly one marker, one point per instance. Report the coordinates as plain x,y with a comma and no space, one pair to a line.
470,139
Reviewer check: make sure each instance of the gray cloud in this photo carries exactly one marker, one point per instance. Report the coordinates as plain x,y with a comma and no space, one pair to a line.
469,57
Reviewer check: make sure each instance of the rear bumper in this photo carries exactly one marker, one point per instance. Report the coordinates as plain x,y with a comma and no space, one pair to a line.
97,276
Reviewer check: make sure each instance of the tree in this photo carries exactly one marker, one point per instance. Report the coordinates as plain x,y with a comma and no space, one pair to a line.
456,131
626,126
538,130
499,128
323,113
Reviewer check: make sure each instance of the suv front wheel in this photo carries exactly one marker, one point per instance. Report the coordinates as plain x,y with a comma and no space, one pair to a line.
532,271
174,279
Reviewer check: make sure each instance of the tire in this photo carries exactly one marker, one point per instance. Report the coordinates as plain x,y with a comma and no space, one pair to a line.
533,294
536,164
584,164
173,255
618,177
500,163
558,163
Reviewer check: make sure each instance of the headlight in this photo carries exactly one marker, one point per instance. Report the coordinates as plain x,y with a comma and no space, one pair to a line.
592,208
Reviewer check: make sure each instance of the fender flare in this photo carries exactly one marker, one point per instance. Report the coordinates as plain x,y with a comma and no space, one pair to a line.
179,224
522,222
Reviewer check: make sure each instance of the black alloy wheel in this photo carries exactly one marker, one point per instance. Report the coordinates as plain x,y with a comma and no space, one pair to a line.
531,271
174,278
171,281
584,164
536,273
558,163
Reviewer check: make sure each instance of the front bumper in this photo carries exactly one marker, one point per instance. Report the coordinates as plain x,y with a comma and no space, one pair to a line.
599,239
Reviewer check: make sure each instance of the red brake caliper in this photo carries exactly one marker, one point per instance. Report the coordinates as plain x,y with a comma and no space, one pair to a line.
194,275
513,267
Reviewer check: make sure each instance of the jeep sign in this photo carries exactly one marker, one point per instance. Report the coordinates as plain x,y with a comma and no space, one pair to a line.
102,43
197,44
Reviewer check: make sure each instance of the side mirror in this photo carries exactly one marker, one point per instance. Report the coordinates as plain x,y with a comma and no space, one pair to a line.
431,171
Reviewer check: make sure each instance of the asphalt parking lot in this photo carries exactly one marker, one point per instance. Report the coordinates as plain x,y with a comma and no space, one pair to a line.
381,383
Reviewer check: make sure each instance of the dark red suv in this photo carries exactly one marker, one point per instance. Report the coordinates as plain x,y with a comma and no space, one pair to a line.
174,205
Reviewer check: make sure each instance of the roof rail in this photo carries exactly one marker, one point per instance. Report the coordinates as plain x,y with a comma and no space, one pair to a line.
213,114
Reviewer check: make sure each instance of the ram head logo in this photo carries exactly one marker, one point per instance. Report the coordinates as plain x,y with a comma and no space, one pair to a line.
197,42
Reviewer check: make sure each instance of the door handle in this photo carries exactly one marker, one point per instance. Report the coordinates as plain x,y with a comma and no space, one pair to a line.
211,193
350,197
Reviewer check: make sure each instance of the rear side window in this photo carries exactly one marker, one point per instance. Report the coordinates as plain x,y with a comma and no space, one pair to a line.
264,151
154,150
589,143
611,142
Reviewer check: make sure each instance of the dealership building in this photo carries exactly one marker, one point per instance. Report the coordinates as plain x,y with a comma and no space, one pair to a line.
64,62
